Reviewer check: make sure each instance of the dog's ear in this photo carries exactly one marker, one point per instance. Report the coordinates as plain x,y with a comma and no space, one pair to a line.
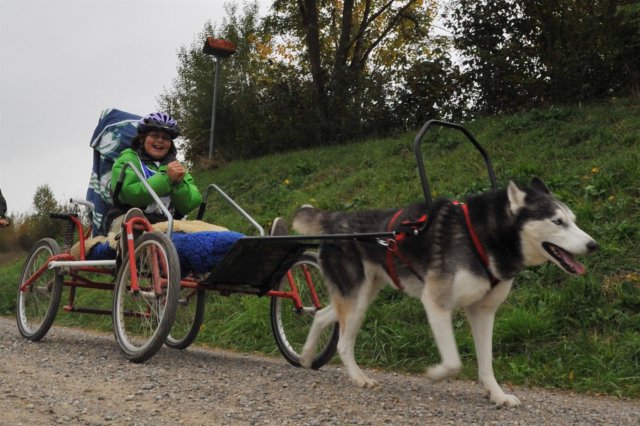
516,197
538,185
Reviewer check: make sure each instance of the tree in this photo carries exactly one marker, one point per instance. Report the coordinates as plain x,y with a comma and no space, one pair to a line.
584,47
522,53
40,225
44,202
431,88
293,84
351,47
627,45
496,40
260,105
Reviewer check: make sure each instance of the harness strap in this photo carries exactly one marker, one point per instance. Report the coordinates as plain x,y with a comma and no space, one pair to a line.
414,228
476,243
393,248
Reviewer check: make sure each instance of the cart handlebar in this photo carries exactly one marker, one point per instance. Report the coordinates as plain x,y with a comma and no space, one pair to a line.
231,201
62,216
421,169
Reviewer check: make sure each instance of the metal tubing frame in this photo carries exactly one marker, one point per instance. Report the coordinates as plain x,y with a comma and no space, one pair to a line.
132,265
72,217
294,293
233,204
43,269
95,311
419,159
87,204
77,264
322,237
78,281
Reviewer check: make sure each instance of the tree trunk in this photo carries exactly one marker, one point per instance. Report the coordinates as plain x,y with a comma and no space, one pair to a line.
309,14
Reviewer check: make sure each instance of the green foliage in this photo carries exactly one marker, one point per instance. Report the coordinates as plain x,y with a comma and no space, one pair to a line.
8,236
315,73
43,201
352,52
430,88
555,330
26,229
274,97
40,225
519,54
242,316
10,276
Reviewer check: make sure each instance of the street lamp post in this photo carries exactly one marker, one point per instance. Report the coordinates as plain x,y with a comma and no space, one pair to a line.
220,49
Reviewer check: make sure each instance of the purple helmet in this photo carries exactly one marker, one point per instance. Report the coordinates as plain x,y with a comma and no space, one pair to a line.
159,121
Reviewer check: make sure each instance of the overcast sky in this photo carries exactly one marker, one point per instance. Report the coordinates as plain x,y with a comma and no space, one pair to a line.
63,62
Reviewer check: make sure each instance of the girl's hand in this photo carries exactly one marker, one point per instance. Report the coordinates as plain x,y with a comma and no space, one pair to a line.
176,172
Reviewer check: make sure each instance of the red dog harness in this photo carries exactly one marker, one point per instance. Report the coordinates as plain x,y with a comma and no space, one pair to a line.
393,244
476,242
414,228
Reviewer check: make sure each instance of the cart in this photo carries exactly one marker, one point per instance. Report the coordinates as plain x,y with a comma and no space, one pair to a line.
156,304
153,304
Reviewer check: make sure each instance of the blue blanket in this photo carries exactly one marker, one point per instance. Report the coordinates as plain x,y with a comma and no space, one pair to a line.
198,252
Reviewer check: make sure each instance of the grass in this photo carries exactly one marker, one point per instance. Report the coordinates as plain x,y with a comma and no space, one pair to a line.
557,331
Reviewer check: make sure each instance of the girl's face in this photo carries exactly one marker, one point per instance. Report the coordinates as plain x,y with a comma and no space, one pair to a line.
157,144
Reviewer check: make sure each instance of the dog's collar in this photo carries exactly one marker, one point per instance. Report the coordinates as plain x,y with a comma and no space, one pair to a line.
476,242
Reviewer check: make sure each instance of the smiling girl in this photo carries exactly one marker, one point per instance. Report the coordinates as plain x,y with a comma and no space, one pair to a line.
153,153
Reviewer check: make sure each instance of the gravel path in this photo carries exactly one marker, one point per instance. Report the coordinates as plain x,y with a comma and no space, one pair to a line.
79,377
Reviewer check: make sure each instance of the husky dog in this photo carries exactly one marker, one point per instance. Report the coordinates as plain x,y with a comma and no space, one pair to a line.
461,255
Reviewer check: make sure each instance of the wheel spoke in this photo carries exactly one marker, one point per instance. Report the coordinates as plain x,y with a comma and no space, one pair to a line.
292,316
37,303
142,318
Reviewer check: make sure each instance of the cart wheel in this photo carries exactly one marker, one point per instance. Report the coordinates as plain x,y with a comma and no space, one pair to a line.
290,325
189,317
142,320
38,304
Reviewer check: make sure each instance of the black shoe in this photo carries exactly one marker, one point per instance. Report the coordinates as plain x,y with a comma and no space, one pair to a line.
279,227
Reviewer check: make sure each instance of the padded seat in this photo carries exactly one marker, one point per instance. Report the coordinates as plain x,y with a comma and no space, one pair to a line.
198,252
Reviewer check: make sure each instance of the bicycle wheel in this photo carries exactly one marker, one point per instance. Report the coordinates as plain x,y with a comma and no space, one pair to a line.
142,320
38,303
290,325
189,317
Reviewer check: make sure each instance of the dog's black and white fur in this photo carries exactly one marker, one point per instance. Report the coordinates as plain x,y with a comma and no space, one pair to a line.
517,228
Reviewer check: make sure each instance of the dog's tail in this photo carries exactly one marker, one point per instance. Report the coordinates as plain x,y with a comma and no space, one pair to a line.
307,221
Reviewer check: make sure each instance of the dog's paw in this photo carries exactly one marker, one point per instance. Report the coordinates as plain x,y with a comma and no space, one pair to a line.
505,400
440,372
365,382
305,361
305,364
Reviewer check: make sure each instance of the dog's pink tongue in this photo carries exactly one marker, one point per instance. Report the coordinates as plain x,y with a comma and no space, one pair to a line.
570,260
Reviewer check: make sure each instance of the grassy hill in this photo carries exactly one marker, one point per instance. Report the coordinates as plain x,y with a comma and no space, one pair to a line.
580,333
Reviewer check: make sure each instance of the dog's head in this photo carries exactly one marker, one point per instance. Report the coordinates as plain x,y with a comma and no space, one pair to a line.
547,228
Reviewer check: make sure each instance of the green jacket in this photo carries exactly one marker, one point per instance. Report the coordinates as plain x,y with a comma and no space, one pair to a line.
184,196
